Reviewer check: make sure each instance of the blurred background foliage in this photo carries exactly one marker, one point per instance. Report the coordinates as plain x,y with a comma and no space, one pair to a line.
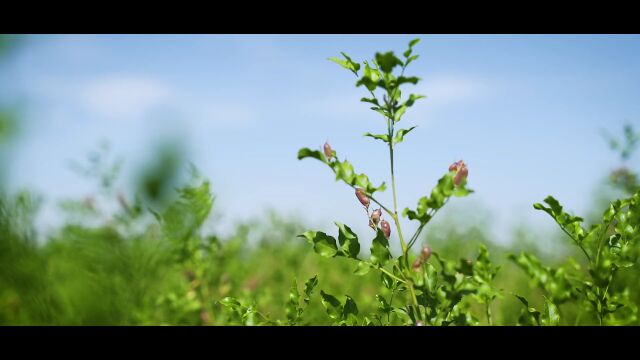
144,257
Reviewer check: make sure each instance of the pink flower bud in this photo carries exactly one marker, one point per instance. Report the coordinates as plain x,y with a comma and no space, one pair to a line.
364,200
386,228
327,151
454,166
425,254
460,176
461,172
375,216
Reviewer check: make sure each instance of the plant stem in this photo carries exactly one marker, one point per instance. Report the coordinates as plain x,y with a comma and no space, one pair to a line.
414,299
395,199
577,243
393,292
388,273
489,319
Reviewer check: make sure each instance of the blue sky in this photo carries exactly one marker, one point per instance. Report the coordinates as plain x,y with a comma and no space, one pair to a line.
524,111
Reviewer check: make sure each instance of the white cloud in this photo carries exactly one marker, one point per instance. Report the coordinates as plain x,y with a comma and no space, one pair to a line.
124,96
444,90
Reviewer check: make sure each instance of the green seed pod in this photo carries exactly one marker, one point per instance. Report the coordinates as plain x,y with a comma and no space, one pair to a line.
362,197
386,228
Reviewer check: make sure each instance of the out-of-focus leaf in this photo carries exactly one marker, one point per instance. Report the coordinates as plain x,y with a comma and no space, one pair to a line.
362,269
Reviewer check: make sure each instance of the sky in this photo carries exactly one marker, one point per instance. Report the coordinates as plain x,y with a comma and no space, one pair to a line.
525,112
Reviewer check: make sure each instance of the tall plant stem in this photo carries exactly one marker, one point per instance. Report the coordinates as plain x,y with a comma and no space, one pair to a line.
403,244
395,205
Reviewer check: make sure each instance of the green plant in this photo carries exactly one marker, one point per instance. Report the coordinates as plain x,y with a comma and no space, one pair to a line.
601,287
623,178
430,294
608,248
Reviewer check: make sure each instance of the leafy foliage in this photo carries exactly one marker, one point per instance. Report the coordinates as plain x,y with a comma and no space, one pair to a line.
608,247
119,260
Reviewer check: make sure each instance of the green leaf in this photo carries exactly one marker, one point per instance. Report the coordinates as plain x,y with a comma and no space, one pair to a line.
370,79
348,240
372,101
316,154
354,65
387,61
555,282
384,138
404,80
410,50
411,59
350,310
570,224
387,280
323,244
412,99
439,195
531,316
345,172
347,63
372,74
380,253
184,217
233,304
340,62
401,134
332,305
383,306
398,114
552,316
308,288
293,305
